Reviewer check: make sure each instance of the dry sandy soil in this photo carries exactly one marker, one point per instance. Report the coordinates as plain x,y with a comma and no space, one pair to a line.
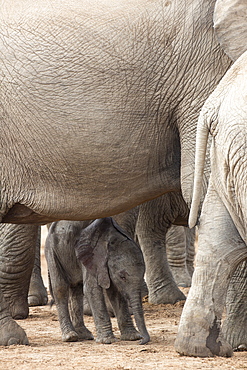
47,352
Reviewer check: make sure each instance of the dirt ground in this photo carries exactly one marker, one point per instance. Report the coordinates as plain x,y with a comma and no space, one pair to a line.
47,351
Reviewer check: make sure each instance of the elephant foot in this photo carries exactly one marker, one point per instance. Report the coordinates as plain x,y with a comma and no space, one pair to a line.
11,333
106,339
37,300
131,334
84,333
199,346
37,295
70,336
181,276
200,334
235,333
166,296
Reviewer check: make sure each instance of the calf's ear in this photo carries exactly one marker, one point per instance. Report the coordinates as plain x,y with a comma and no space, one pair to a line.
230,24
92,251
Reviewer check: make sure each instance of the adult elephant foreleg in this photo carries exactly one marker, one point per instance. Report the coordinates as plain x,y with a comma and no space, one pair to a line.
17,253
10,331
37,294
220,249
235,324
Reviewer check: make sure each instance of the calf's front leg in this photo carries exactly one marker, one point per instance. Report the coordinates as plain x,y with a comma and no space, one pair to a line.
101,316
121,309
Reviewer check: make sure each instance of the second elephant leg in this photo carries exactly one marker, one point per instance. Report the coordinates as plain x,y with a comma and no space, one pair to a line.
162,287
176,245
37,294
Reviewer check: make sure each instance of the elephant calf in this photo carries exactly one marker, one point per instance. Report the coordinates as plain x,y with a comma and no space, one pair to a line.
99,258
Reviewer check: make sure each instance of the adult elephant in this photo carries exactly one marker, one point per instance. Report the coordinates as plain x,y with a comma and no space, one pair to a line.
222,227
99,103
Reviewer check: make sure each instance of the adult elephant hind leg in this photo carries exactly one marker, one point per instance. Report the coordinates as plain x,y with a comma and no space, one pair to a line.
177,255
162,287
151,230
235,324
220,250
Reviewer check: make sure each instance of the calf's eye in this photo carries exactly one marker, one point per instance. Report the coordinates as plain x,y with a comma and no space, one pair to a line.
122,275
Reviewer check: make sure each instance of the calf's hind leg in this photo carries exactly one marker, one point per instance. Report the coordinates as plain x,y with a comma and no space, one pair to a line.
76,312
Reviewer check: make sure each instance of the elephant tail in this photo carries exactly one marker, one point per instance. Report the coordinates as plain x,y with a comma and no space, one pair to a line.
200,156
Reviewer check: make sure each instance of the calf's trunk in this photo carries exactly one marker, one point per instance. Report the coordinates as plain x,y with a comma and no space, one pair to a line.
136,305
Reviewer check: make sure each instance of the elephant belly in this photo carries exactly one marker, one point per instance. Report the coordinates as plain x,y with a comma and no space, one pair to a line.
20,214
85,203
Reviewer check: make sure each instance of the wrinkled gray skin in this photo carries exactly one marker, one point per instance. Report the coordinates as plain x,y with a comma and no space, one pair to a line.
180,246
99,106
15,289
231,26
222,230
20,276
234,327
111,262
